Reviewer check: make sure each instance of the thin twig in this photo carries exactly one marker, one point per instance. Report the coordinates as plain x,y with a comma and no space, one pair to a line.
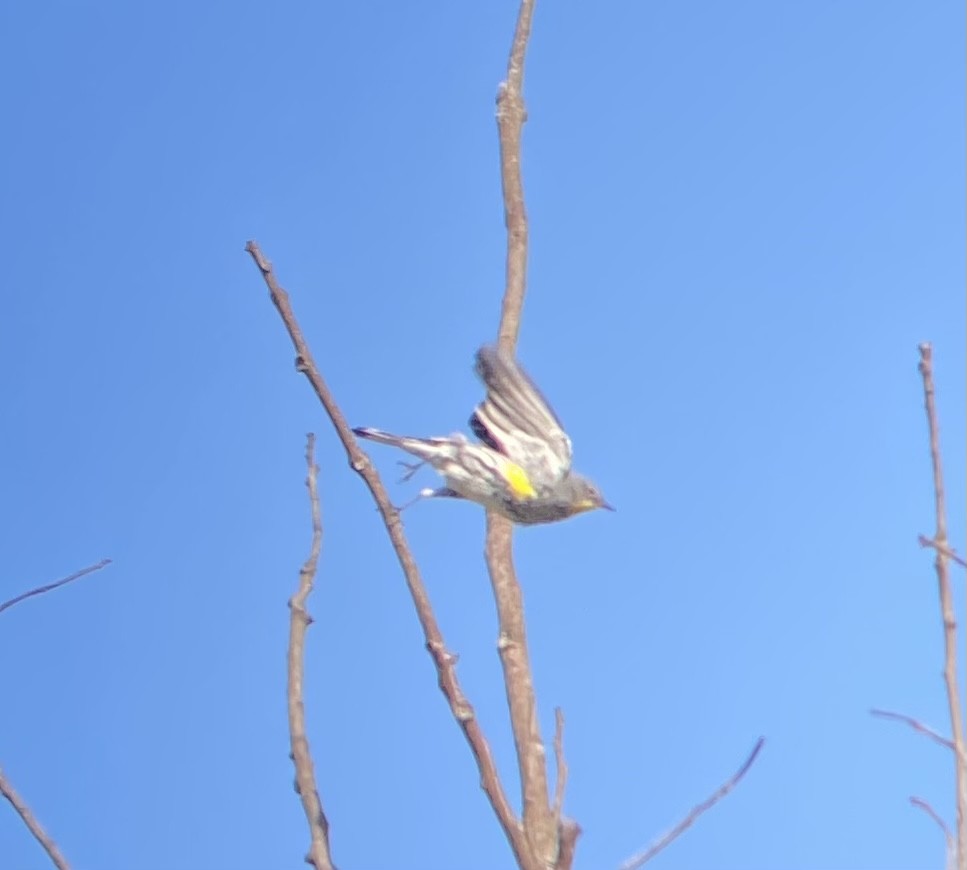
299,620
947,610
916,725
568,830
924,541
665,839
538,816
40,590
35,828
924,805
444,661
560,764
6,787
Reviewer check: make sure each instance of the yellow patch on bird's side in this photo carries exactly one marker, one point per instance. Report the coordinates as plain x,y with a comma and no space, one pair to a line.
520,484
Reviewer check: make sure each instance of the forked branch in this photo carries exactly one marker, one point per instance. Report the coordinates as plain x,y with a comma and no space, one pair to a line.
444,661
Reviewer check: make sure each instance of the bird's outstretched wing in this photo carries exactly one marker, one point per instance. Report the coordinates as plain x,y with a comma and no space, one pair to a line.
516,420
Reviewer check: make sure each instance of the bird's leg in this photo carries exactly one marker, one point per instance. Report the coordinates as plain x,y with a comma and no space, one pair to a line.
442,492
411,469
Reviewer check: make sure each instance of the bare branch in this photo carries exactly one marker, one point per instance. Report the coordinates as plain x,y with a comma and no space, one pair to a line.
538,816
444,661
568,834
40,590
916,725
665,839
924,805
299,620
6,787
35,828
511,114
519,685
946,604
924,541
560,763
568,830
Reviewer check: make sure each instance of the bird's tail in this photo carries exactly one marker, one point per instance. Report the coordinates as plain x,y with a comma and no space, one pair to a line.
430,449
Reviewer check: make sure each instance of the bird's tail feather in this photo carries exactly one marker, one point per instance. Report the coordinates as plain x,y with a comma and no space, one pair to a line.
426,448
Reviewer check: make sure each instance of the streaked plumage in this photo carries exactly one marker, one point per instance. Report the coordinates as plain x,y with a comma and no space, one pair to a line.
523,467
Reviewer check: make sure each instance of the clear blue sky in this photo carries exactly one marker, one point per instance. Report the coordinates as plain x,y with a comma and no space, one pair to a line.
744,218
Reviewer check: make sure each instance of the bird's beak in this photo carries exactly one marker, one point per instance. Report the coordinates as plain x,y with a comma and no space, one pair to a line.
608,507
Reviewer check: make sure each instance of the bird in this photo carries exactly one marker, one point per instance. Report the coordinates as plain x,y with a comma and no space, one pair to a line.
522,466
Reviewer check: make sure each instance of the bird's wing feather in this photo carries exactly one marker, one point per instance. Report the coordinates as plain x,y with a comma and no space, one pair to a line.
517,420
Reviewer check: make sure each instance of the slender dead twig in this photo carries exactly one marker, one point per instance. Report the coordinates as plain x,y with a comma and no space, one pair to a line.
916,725
538,816
924,805
930,811
319,855
560,763
568,830
40,590
946,604
444,661
35,828
665,839
6,787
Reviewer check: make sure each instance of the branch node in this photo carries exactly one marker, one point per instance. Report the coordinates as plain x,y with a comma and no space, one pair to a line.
463,712
947,551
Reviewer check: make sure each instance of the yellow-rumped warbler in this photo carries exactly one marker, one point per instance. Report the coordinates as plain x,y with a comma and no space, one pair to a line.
523,467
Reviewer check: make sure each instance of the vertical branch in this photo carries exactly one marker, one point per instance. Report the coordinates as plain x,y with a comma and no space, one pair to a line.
511,114
946,604
540,825
299,620
538,817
